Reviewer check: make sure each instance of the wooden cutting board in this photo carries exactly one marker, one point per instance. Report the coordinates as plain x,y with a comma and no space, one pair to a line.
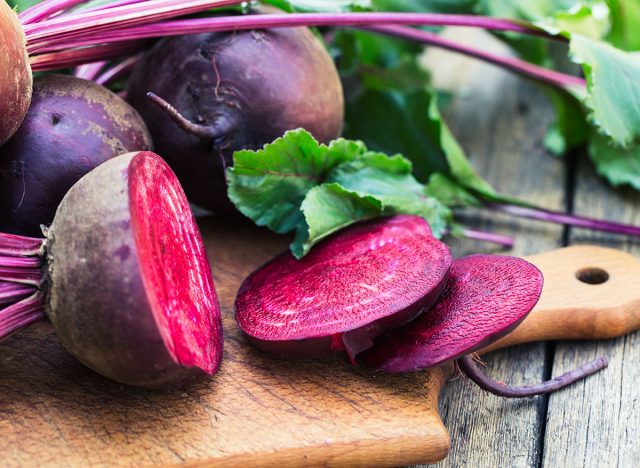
263,411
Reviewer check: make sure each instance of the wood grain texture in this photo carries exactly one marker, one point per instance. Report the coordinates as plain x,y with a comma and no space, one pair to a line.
500,121
573,308
596,423
259,410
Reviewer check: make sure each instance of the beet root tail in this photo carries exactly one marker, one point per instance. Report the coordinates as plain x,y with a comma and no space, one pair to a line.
201,131
471,370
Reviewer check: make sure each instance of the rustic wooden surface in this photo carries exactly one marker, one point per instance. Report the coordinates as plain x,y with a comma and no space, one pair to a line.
55,412
500,120
258,410
596,423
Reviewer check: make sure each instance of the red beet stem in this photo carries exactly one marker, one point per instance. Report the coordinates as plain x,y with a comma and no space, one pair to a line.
110,5
20,315
73,57
471,370
89,71
118,71
567,219
46,9
89,34
10,293
119,17
19,246
483,236
20,261
515,65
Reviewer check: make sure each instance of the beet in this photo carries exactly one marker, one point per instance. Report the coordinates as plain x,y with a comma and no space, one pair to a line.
241,90
73,126
486,297
368,278
15,73
126,282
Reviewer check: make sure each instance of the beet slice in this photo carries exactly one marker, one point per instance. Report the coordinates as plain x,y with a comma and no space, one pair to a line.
486,297
365,280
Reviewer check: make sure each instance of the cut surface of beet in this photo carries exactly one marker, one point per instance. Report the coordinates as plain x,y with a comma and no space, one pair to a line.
370,272
486,296
176,274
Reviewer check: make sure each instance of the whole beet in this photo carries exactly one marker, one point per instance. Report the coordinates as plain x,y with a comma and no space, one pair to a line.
73,126
241,90
15,73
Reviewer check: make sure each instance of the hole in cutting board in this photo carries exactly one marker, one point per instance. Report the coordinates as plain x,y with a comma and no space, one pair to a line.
592,275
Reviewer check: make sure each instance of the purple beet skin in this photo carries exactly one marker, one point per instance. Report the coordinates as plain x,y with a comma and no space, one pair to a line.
235,90
365,280
73,126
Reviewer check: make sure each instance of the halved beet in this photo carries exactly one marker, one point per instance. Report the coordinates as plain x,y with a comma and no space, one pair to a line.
132,295
486,296
352,287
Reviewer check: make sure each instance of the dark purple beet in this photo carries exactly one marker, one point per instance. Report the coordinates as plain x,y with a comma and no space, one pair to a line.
365,280
242,90
486,297
73,126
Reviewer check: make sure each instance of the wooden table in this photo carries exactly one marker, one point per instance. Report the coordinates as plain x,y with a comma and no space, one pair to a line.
501,121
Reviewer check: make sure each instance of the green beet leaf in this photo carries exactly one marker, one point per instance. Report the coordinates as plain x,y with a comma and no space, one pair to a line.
613,80
269,185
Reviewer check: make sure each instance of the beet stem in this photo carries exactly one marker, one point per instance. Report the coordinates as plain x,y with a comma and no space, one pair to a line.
499,239
111,5
73,57
19,246
119,17
10,293
200,131
20,315
118,71
146,28
471,370
89,71
567,219
520,67
46,9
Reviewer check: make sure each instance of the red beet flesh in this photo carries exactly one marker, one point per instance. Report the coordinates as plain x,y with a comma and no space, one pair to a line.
174,265
485,298
355,285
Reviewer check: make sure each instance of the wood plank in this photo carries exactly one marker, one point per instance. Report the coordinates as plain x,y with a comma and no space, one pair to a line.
595,423
500,121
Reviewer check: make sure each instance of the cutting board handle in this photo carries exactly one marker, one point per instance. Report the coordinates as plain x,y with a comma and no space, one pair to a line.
589,293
